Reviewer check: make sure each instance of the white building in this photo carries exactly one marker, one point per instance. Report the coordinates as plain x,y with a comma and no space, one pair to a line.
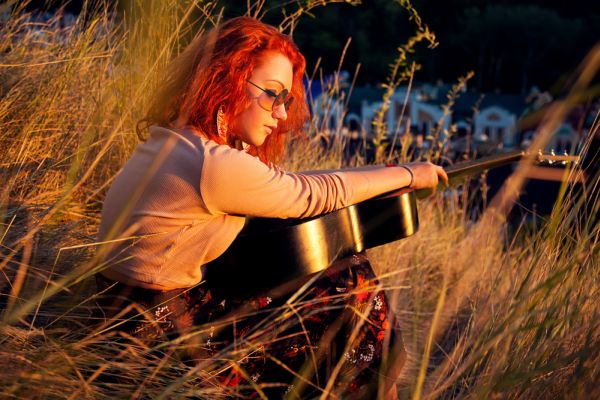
497,125
489,118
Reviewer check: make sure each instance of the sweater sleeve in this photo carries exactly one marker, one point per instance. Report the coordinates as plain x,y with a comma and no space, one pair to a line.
234,182
349,169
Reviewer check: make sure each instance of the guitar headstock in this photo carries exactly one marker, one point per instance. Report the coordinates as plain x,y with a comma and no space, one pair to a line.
556,159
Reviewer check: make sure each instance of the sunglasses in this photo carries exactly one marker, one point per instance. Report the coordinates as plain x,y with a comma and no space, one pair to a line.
283,97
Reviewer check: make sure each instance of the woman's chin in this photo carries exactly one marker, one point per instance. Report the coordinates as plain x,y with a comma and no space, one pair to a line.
255,140
259,142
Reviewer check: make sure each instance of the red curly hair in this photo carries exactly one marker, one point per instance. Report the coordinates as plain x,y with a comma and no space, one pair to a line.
213,70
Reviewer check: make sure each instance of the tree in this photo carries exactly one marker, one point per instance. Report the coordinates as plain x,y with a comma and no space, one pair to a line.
517,45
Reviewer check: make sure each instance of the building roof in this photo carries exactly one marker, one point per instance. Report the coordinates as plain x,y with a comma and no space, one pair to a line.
462,109
370,94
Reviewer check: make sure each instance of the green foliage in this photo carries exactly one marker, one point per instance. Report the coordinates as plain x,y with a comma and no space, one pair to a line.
512,40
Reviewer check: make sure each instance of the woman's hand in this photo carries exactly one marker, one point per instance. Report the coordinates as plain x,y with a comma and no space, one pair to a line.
427,175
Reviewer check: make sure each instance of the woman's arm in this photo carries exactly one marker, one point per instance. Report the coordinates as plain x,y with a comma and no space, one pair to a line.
423,174
234,182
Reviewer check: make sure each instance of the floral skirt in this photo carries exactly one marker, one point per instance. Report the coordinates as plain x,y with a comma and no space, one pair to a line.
334,333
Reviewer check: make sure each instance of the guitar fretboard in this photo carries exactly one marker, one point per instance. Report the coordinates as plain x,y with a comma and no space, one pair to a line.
457,172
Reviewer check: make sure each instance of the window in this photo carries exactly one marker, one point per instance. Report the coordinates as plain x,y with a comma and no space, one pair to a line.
500,134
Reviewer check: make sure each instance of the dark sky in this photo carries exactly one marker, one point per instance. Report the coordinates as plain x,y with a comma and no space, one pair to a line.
510,45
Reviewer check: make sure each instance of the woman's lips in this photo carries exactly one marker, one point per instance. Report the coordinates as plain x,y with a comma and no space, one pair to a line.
270,129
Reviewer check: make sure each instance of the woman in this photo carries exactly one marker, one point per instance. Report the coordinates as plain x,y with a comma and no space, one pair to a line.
219,124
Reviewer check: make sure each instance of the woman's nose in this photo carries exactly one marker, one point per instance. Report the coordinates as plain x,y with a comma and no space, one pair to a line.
280,112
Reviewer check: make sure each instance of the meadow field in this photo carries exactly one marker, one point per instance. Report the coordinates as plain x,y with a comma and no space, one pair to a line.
488,310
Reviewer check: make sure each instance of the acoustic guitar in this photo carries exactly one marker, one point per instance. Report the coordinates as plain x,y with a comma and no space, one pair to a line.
298,248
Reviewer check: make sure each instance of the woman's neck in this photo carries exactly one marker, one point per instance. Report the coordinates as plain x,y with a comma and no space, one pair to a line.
181,124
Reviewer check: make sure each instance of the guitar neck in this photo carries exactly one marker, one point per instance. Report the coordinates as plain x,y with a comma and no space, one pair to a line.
457,173
468,168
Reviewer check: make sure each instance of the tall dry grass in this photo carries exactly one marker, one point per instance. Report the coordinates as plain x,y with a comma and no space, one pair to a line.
486,313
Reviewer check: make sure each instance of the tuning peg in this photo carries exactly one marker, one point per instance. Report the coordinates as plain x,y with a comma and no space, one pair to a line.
552,153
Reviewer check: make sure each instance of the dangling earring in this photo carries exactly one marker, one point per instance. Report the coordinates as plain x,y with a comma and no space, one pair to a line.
221,124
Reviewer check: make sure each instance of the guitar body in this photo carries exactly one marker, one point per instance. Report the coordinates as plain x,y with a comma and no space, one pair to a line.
269,252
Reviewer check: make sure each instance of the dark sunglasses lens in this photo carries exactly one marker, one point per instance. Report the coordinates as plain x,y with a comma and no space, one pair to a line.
289,101
281,98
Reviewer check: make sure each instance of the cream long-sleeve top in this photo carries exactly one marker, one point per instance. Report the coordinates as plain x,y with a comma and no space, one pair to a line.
181,200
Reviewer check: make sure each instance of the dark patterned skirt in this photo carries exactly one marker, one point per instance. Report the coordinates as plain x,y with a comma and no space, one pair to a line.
334,333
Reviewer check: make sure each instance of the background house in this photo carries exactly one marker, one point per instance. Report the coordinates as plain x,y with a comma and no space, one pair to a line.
485,120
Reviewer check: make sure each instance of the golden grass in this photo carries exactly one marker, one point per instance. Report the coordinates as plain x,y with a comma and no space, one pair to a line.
486,313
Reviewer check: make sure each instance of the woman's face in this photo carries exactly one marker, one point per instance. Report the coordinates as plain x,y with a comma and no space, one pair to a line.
256,122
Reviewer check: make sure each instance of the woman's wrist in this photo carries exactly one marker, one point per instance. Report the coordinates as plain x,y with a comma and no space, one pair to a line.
412,175
407,168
